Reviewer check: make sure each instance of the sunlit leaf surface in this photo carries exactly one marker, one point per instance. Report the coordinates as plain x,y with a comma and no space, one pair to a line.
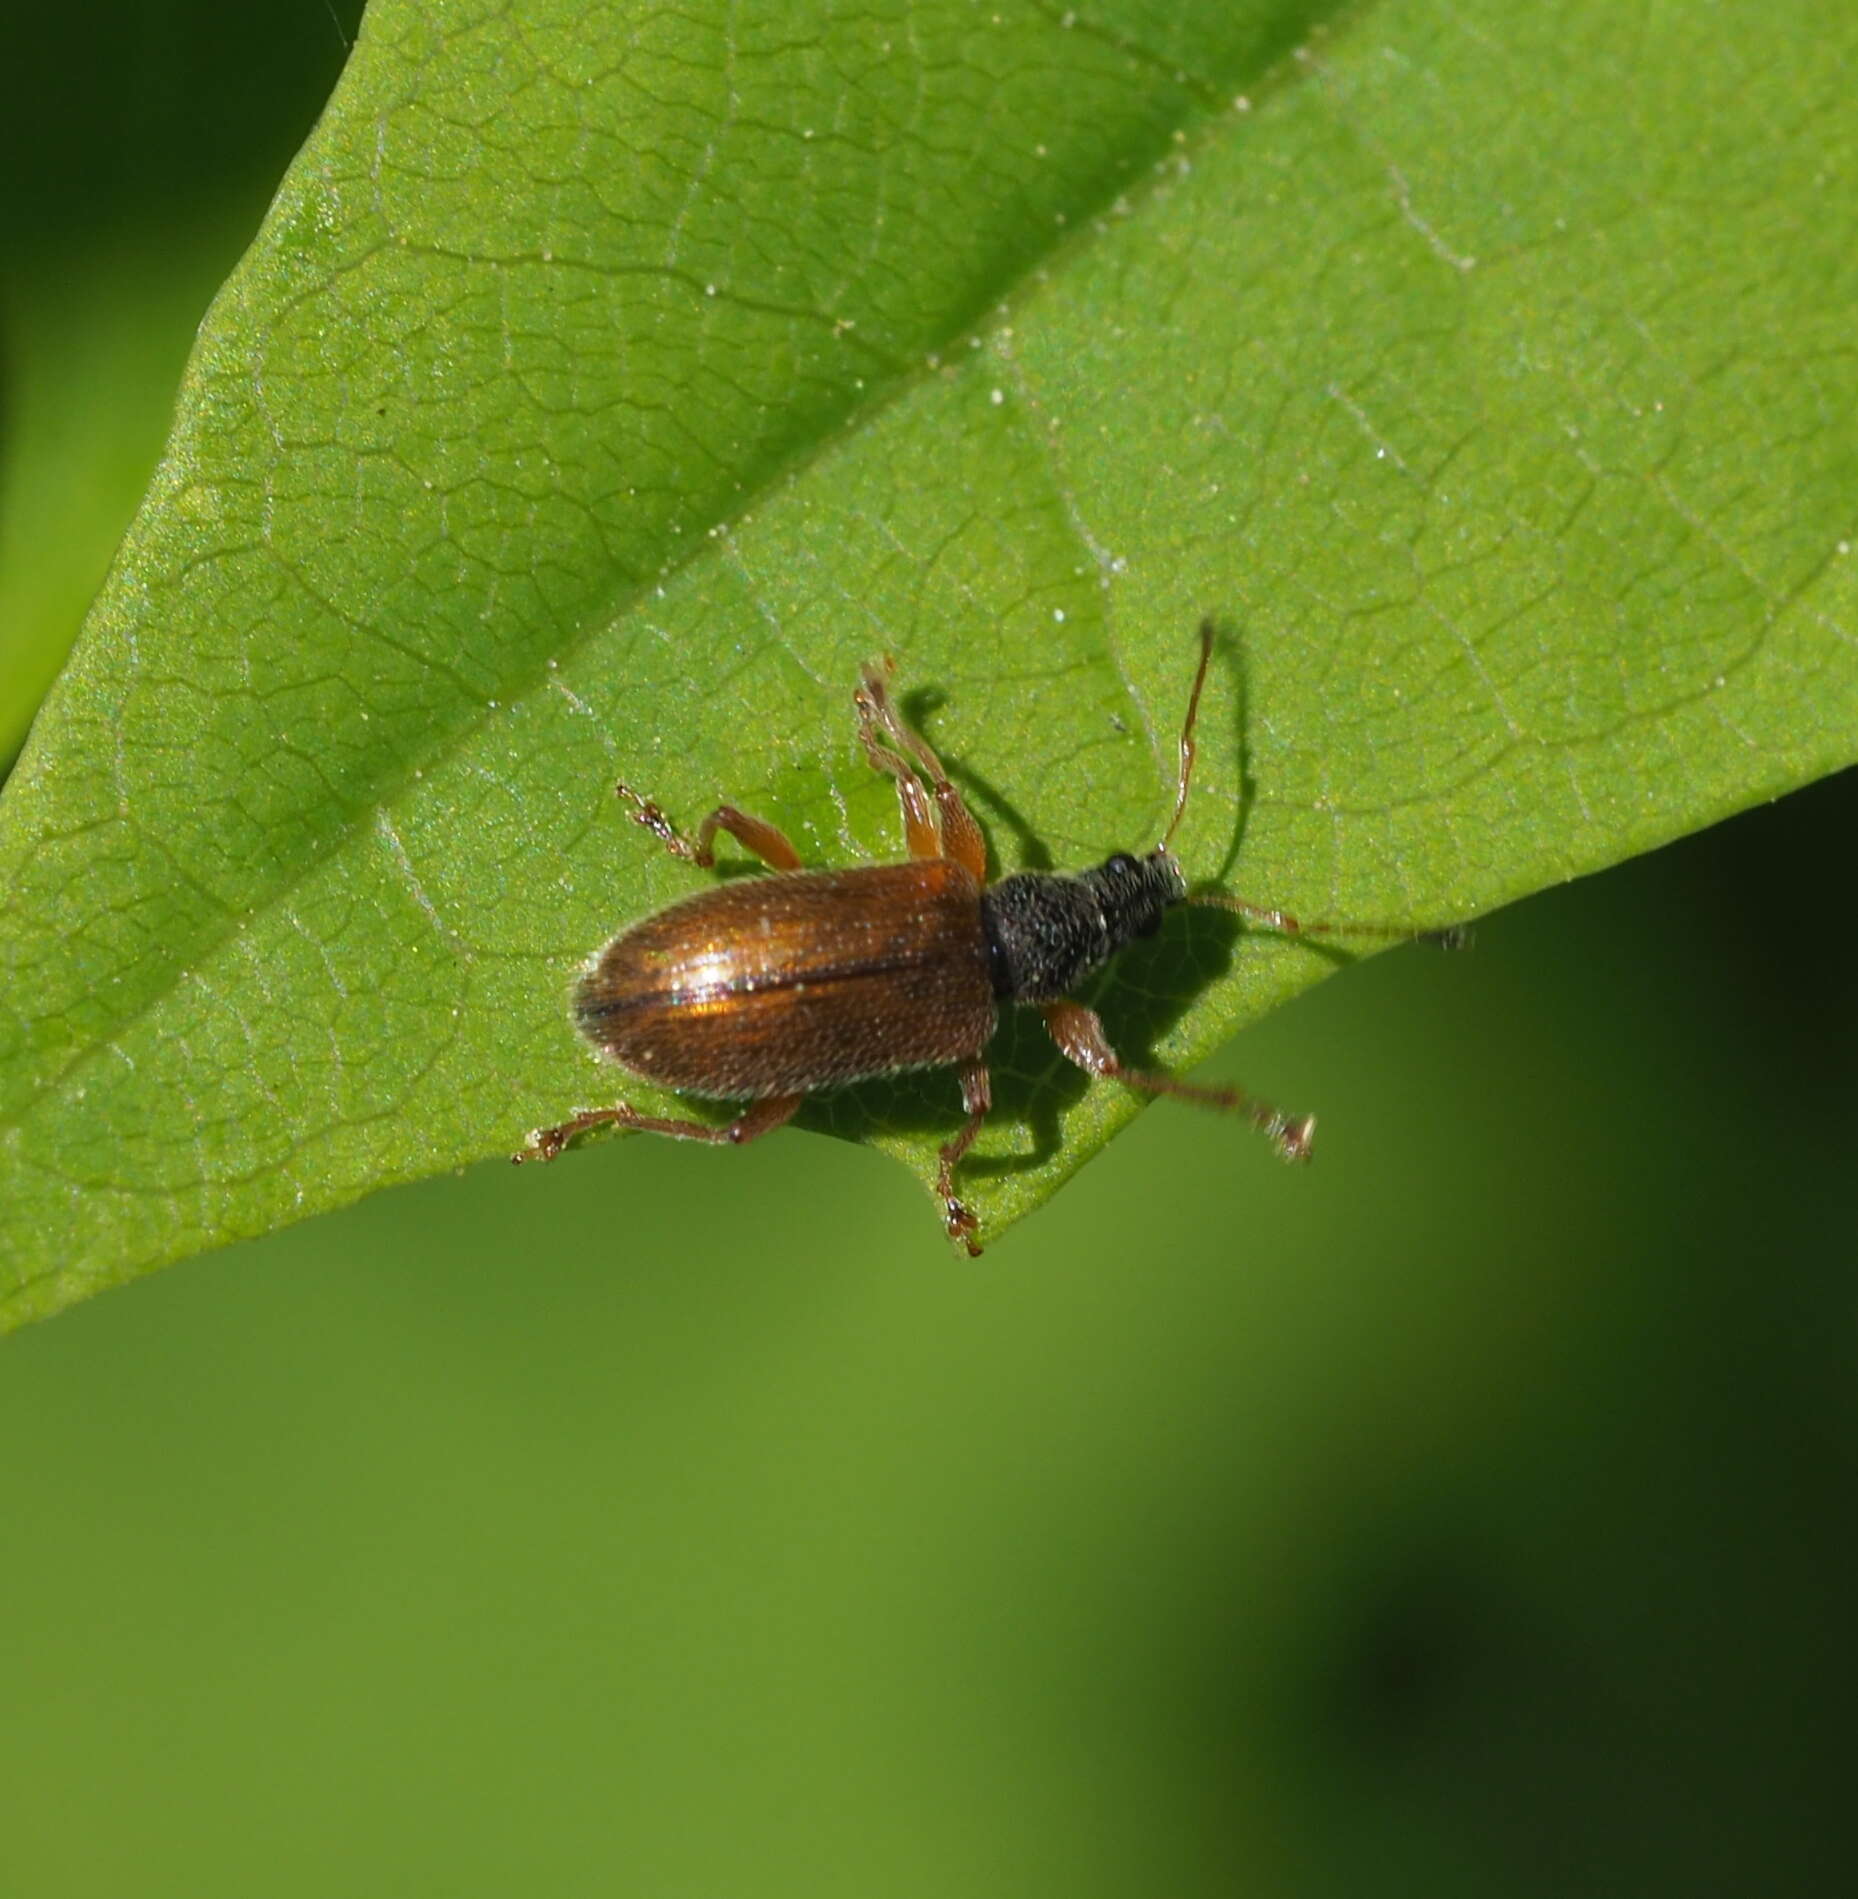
609,382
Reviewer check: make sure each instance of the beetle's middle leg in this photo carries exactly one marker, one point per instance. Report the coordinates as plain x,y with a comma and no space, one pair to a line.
1079,1035
753,834
977,1098
953,828
761,1117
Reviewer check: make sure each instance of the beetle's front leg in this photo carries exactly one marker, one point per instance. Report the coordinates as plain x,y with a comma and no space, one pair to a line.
1079,1034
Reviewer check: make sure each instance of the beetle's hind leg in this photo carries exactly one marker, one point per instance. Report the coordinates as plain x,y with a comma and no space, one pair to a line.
763,1117
1080,1038
947,831
753,834
977,1098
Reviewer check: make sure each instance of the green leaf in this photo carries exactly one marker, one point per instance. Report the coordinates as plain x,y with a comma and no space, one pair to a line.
608,383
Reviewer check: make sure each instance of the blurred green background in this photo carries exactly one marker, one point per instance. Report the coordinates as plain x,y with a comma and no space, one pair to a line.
1472,1513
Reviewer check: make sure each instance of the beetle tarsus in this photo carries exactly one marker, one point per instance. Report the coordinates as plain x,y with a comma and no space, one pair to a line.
962,1227
1293,1135
547,1144
651,816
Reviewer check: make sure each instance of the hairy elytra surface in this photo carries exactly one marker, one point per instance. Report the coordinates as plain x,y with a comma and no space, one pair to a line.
767,990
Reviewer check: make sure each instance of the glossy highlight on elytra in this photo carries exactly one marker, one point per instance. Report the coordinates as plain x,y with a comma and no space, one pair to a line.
768,989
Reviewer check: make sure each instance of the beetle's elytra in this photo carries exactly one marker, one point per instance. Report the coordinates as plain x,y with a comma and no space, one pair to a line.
768,989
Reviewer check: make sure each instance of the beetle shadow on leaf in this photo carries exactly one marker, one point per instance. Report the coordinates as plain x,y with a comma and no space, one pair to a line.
1232,651
981,794
1141,997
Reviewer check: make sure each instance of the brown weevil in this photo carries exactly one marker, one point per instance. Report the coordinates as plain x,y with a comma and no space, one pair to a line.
768,989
